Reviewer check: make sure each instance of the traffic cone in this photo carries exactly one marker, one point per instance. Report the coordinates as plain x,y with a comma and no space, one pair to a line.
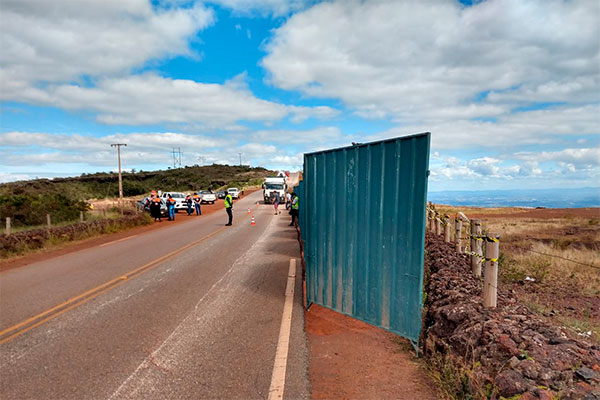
249,212
252,223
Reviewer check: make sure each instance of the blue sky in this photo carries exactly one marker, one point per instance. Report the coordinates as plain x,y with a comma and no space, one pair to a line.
509,89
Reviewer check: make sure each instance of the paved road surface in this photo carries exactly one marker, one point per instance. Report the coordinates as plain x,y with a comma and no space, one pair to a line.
192,310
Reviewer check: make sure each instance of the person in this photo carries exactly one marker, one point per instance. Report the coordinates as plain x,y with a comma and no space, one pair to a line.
243,190
229,208
197,204
288,201
188,201
276,203
295,209
171,208
155,208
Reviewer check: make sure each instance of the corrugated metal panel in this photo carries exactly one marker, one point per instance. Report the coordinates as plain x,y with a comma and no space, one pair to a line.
362,217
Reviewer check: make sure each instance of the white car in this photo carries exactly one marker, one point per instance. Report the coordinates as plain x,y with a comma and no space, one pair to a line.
179,198
234,192
207,197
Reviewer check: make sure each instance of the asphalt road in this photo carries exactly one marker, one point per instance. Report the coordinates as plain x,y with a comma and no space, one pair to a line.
188,311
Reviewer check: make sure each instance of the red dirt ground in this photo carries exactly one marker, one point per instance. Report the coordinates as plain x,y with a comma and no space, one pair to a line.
350,359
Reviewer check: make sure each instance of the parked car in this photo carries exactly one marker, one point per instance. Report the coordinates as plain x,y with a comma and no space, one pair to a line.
179,198
234,192
221,194
145,205
207,197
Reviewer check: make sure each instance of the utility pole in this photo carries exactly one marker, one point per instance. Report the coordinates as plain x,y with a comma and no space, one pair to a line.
240,159
118,146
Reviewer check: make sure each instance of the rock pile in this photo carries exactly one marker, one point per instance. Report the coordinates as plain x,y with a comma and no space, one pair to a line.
509,350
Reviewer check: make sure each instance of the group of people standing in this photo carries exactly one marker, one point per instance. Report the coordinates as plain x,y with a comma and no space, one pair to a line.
291,203
154,205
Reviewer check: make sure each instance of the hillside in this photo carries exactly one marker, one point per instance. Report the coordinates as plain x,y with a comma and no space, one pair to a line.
27,202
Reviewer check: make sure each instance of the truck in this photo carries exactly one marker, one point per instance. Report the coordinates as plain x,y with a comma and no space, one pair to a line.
272,185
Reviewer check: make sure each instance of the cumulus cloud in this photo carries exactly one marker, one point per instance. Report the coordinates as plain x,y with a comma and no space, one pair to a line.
433,61
101,38
81,58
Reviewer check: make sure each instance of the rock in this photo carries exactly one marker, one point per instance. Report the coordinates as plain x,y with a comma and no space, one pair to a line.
507,345
528,396
529,369
513,362
544,394
586,374
510,383
558,340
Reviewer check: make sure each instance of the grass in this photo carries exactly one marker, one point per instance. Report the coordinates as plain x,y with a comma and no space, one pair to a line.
562,256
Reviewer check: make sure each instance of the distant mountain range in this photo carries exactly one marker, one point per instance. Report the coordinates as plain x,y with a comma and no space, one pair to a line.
549,198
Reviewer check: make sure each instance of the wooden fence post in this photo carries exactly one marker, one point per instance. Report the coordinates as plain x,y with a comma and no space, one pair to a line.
80,216
447,228
438,224
457,234
476,251
7,226
432,221
48,221
490,277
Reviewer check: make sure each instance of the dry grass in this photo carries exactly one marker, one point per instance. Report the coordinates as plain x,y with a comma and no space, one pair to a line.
580,267
560,252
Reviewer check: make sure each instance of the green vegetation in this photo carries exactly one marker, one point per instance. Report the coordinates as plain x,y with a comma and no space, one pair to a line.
28,202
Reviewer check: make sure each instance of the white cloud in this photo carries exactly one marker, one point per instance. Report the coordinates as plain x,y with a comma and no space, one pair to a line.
104,38
583,158
263,7
150,99
427,61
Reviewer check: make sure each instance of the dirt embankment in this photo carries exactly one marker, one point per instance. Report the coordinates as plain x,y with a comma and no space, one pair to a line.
503,352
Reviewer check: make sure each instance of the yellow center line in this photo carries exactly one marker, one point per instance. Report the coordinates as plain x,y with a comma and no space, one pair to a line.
39,319
82,298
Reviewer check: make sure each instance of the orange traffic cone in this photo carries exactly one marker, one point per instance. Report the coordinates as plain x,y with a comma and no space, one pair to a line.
249,212
252,223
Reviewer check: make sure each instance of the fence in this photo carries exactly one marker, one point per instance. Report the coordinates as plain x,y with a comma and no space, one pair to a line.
486,255
9,223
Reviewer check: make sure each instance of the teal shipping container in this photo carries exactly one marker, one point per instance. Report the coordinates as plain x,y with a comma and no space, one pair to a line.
362,220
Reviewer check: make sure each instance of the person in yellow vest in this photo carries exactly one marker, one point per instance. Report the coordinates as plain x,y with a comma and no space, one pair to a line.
229,208
295,209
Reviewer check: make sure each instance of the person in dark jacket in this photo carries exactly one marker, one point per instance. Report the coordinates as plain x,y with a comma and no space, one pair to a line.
188,202
155,209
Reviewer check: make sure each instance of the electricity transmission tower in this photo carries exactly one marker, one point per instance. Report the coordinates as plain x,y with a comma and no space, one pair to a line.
240,159
177,157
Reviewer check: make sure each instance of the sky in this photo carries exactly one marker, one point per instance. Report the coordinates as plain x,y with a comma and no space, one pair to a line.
509,89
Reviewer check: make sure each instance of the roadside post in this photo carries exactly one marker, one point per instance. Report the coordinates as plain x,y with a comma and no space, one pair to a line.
457,233
447,228
476,250
80,216
438,224
7,226
490,277
48,221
